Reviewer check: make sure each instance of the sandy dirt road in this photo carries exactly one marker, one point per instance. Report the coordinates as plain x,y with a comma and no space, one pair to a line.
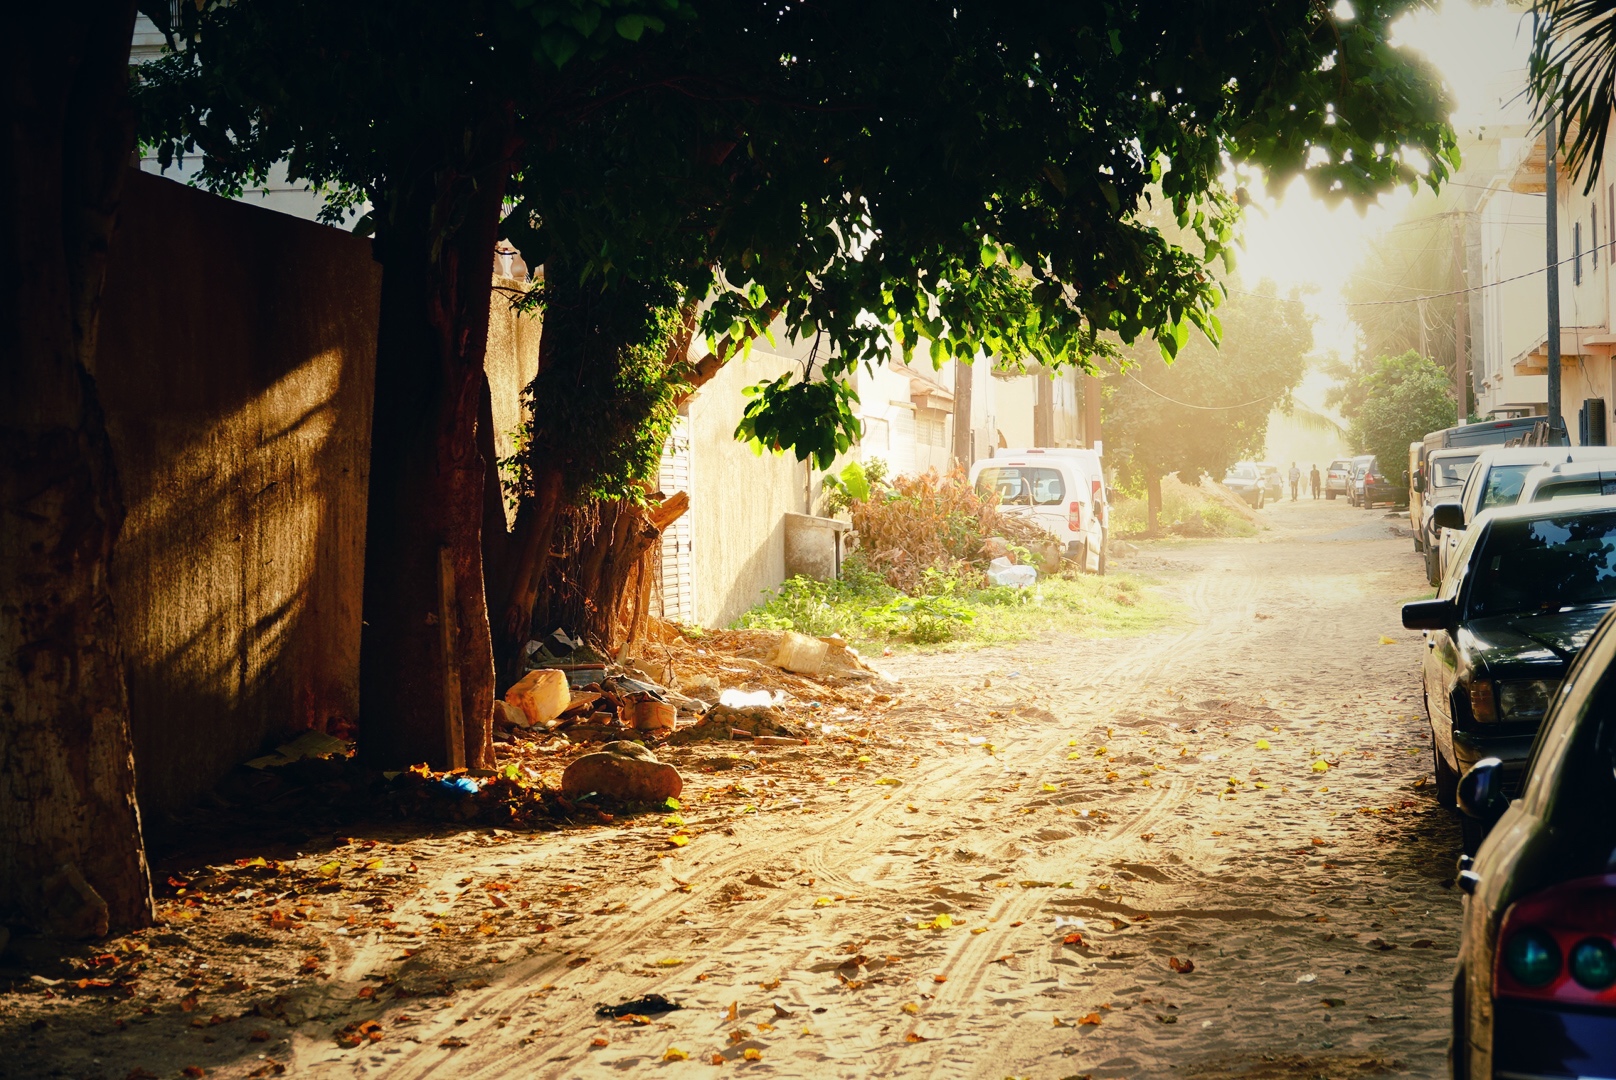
1000,882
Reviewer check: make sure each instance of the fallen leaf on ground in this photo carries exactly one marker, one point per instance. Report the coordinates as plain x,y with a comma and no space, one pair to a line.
1091,1019
1183,967
600,1040
734,1010
914,1037
673,1053
453,1042
752,1053
911,1008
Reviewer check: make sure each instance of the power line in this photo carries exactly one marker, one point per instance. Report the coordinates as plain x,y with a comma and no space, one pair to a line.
1418,299
1204,408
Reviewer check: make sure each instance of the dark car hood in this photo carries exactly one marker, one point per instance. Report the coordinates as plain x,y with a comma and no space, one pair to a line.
1551,639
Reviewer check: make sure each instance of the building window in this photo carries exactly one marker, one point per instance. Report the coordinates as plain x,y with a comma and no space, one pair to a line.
1576,253
930,427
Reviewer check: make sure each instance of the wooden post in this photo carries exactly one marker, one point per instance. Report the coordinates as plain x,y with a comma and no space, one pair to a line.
454,721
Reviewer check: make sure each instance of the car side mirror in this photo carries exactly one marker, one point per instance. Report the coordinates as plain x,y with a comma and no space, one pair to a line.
1448,516
1481,791
1419,485
1430,615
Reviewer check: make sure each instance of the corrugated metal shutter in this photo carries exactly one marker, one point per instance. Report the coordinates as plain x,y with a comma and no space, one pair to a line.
676,579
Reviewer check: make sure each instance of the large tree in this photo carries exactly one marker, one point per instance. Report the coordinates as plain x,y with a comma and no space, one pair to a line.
976,176
71,857
1210,407
970,175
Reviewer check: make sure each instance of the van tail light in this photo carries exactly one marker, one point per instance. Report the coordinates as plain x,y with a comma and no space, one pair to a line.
1559,945
1074,517
1096,496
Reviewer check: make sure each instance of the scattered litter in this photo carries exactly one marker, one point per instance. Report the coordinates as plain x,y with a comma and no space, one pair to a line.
649,1005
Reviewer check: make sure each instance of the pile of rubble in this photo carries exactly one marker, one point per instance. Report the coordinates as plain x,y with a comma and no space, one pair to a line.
767,688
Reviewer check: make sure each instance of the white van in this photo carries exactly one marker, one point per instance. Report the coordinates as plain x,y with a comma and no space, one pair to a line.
1062,489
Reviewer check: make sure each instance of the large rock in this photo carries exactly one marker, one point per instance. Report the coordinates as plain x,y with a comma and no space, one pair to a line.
623,772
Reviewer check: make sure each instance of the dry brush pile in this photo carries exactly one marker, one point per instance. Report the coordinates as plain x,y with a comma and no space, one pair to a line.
911,524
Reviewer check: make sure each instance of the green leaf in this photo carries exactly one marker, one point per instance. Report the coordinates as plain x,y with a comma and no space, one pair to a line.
631,26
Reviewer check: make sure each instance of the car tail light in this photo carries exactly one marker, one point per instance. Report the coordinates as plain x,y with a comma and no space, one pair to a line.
1560,945
1074,517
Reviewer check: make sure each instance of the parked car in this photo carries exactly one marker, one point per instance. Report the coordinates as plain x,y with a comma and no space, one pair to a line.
1247,483
1495,480
1569,480
1061,489
1360,465
1482,433
1273,481
1444,476
1534,993
1376,487
1338,478
1523,594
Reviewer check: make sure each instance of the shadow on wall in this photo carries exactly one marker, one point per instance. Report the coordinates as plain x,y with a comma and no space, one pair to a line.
236,369
757,574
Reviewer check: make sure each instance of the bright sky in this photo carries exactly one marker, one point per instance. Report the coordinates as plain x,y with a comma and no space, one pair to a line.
1299,242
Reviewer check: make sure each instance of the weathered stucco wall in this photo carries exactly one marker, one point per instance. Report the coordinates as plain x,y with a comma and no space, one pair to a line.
236,369
738,499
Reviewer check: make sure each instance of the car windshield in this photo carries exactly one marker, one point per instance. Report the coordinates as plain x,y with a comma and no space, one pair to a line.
1544,565
1450,472
1340,466
1574,489
1504,485
1241,472
1023,485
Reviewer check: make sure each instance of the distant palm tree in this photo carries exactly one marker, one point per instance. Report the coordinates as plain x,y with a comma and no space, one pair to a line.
1572,75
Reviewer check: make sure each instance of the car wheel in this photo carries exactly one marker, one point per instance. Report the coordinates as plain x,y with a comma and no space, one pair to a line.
1447,778
1100,567
1330,495
1419,547
1432,566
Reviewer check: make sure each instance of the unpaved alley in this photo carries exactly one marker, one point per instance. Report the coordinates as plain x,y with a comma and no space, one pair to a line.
1209,851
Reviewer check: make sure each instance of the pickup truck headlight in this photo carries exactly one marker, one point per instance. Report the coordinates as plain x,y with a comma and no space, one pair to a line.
1483,702
1525,699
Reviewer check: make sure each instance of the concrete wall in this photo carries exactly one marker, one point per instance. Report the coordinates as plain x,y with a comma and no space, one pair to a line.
236,368
738,499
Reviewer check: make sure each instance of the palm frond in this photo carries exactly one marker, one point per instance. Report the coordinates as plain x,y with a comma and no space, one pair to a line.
1572,76
1312,420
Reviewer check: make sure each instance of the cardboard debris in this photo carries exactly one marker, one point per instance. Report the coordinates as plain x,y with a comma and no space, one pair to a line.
309,744
800,653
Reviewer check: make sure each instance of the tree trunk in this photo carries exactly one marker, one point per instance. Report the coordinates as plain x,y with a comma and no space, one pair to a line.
72,860
428,477
1153,503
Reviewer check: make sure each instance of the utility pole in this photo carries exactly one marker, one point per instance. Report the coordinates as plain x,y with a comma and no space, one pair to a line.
1091,411
964,433
1461,318
1552,216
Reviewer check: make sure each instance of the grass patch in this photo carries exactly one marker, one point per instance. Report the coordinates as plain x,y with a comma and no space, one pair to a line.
950,612
1186,512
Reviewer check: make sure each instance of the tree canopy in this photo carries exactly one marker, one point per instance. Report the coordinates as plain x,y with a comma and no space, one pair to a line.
1210,407
1403,398
969,176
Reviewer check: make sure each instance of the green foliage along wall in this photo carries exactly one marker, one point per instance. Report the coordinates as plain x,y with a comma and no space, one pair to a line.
1403,398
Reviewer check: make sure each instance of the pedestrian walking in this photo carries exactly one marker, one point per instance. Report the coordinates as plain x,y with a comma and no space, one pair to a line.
1313,480
1296,478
